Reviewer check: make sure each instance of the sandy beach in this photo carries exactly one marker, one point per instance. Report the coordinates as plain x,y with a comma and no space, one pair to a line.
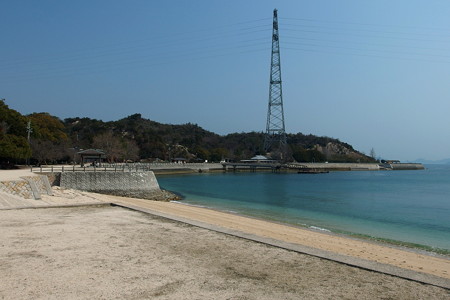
400,257
113,252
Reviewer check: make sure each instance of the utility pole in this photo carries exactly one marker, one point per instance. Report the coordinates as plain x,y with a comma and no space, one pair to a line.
29,131
275,138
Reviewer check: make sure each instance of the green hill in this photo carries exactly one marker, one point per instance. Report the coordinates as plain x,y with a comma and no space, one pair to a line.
139,139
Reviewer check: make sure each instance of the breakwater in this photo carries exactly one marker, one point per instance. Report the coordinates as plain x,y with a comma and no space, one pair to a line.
363,166
185,168
312,167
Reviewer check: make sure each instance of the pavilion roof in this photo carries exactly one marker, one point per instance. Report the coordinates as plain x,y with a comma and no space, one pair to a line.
91,152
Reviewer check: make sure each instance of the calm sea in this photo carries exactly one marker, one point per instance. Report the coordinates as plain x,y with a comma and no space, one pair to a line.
406,206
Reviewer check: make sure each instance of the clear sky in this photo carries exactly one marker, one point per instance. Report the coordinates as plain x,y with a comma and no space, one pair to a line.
370,73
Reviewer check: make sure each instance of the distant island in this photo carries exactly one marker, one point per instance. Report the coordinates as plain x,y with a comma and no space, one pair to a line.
40,138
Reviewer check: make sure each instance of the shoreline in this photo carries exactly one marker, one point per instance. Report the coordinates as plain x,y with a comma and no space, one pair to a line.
438,245
402,245
405,258
179,197
348,250
117,252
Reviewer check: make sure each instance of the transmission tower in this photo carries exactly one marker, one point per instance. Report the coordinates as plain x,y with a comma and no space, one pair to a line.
275,139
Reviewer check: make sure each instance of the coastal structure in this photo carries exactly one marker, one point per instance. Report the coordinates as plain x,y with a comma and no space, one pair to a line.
95,156
304,167
275,139
116,183
27,187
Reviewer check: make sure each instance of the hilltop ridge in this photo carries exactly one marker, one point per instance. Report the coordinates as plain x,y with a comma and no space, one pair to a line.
136,138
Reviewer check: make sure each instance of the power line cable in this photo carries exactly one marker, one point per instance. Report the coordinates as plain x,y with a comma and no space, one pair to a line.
370,50
367,24
361,35
370,44
366,55
173,38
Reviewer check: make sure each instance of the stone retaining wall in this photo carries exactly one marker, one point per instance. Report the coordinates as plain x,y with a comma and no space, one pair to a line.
19,188
31,187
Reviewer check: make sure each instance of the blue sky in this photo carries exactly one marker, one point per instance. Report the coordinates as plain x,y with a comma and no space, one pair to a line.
370,73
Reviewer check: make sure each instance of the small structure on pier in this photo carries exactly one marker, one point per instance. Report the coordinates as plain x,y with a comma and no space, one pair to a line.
258,159
256,162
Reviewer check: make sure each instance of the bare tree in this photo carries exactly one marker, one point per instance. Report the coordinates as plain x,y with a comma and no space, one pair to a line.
45,151
110,144
116,148
130,150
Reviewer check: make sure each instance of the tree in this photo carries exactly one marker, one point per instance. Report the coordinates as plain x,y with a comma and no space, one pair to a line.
47,127
45,151
307,155
13,147
110,144
12,122
49,140
217,154
201,153
116,148
130,150
372,153
13,142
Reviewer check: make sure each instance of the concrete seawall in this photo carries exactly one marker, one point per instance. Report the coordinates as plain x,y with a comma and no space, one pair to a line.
407,166
343,166
364,166
128,184
294,167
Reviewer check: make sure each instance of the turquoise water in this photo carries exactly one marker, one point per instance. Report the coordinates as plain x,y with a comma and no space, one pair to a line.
406,206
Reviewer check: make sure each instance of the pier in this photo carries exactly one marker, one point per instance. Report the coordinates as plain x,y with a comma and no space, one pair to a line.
317,167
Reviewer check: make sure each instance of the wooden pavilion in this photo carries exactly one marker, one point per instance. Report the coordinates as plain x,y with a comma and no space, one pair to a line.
94,156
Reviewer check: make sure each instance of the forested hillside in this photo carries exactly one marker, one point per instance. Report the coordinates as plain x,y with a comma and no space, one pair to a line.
134,138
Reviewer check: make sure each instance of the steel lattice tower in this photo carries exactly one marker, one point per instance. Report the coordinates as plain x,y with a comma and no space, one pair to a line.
275,138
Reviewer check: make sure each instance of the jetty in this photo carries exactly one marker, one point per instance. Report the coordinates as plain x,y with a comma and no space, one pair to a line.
313,168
